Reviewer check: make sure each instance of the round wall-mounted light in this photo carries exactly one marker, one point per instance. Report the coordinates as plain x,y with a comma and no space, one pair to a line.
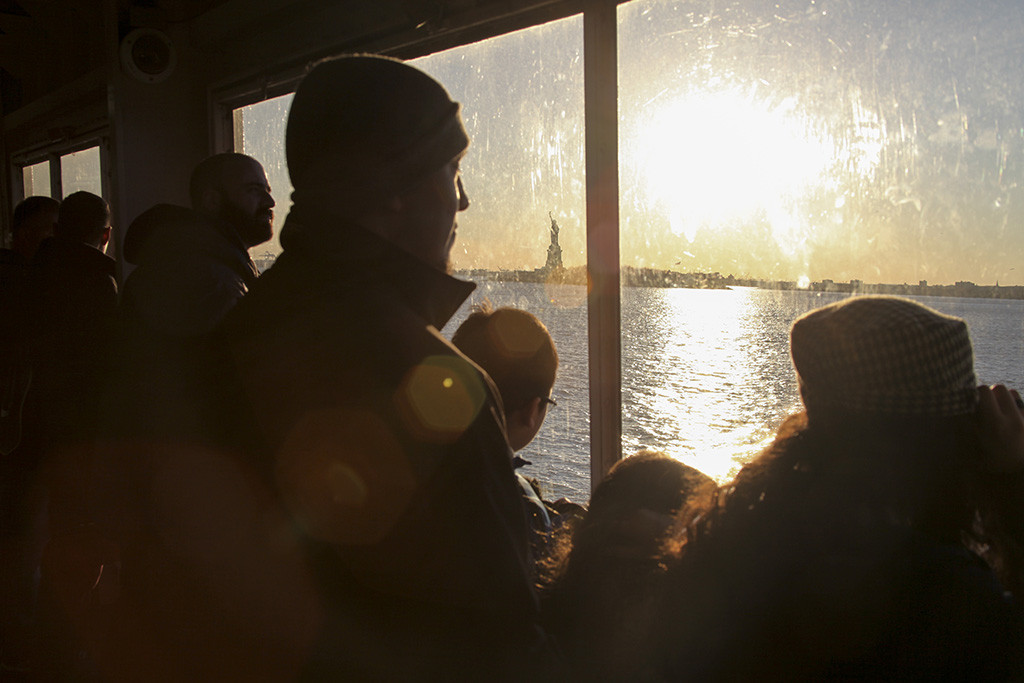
148,55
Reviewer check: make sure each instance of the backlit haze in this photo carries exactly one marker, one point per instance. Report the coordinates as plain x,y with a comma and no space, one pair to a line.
803,140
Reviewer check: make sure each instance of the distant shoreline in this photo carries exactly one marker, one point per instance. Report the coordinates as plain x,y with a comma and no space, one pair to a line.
670,279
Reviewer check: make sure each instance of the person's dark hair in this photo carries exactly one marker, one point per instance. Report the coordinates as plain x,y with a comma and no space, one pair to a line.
859,485
820,554
83,217
603,576
916,470
514,348
364,127
29,207
210,172
648,482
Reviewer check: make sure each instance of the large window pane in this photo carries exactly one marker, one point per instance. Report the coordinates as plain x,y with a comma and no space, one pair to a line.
36,179
259,132
797,152
522,99
81,171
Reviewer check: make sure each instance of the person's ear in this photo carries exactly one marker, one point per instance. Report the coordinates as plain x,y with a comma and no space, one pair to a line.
105,238
533,414
524,423
211,200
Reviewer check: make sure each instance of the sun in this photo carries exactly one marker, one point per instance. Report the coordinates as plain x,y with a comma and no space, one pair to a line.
717,158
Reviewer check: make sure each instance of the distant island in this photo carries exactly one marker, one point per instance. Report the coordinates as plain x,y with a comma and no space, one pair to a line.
653,277
554,272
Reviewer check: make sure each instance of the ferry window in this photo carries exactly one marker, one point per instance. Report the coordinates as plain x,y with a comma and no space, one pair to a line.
259,132
36,179
523,238
81,171
779,156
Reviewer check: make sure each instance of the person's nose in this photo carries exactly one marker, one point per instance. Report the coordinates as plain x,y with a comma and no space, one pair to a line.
463,197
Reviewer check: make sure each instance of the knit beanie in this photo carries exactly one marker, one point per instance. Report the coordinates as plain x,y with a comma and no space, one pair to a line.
364,126
881,355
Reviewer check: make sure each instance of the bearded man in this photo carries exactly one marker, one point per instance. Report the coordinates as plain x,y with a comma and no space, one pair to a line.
193,265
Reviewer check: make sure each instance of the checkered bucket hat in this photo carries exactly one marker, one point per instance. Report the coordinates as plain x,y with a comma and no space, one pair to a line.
884,355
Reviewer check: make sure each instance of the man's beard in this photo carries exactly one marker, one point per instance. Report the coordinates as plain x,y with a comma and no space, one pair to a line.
253,229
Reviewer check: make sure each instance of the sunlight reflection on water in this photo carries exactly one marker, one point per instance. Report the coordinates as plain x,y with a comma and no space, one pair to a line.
706,374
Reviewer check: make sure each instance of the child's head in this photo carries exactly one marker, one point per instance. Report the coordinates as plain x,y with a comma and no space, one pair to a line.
516,350
649,483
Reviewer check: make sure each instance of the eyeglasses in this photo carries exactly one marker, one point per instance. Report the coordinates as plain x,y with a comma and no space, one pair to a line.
548,399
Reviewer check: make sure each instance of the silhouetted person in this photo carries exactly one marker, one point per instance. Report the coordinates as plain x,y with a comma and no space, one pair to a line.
604,579
849,549
192,265
194,601
517,352
384,442
73,304
34,220
21,501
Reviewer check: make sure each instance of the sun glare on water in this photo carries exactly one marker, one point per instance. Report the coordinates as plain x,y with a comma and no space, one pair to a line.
724,157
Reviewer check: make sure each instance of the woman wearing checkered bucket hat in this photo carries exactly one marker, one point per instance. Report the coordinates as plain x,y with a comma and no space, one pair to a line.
877,536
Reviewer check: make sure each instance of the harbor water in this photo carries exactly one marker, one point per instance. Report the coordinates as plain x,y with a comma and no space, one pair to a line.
706,374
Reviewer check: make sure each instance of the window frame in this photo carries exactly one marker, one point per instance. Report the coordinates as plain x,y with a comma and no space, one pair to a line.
53,154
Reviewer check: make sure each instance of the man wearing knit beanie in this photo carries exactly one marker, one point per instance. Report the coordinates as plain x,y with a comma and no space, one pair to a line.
383,443
383,140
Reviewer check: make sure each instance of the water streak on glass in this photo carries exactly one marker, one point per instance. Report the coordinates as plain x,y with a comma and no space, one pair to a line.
806,141
522,101
824,139
259,132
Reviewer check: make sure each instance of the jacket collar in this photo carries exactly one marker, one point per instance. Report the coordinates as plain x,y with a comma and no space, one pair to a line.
75,254
338,243
164,232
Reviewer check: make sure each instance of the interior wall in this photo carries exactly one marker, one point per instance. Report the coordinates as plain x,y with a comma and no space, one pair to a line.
159,133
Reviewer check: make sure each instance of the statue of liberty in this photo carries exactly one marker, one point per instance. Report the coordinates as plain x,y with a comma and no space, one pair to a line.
554,262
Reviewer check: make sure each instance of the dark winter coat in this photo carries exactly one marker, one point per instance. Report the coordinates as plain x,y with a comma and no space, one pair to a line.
190,270
72,304
387,447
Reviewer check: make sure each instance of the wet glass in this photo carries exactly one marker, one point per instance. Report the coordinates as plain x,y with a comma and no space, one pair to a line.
36,179
778,156
81,171
259,132
523,238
